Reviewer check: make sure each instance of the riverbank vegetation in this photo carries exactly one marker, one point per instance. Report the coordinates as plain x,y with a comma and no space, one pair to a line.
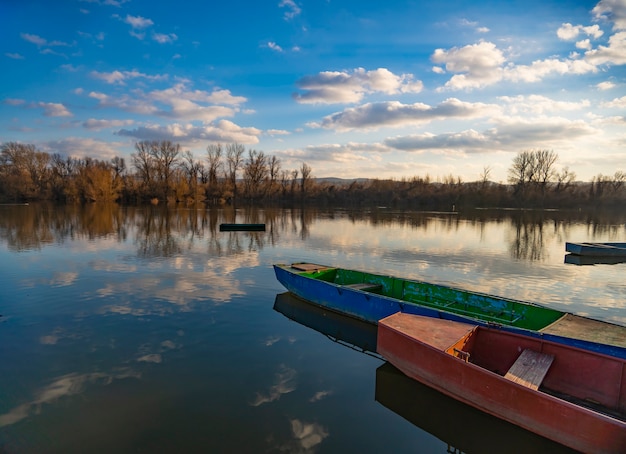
161,172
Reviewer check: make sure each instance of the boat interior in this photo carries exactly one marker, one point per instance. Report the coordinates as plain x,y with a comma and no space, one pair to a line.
584,378
473,304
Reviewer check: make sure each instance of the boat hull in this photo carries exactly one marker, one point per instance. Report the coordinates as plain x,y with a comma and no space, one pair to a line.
372,307
597,249
564,422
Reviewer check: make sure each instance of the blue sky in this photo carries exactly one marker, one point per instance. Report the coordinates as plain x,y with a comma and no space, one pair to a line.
352,88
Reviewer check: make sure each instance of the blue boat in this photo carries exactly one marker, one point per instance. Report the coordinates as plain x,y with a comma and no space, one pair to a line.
597,249
372,297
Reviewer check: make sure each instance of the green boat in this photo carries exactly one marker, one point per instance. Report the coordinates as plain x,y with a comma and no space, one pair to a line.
371,297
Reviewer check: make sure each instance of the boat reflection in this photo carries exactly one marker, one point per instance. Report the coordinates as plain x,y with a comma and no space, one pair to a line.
339,328
461,426
573,259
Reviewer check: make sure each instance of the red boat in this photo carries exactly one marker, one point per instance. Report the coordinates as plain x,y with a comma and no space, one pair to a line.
572,396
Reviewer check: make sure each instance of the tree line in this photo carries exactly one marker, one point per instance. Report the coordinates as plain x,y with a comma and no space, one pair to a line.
159,171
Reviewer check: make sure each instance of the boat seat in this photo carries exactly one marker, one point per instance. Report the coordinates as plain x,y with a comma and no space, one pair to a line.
530,368
365,286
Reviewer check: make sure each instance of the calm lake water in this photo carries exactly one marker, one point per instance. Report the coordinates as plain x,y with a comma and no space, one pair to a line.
149,330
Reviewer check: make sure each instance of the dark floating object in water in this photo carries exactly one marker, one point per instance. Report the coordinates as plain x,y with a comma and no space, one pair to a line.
242,227
597,249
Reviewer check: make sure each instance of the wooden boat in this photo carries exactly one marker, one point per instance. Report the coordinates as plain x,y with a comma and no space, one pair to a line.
597,249
242,227
438,414
572,396
371,297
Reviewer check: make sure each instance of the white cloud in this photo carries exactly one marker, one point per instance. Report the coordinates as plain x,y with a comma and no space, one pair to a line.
96,125
14,56
293,9
464,141
483,64
330,87
42,42
347,153
125,103
180,92
277,132
473,24
395,114
80,147
619,103
569,32
584,44
163,38
611,11
510,134
119,77
176,102
223,131
53,109
527,132
537,104
540,69
479,65
34,39
607,85
14,101
614,53
272,45
138,22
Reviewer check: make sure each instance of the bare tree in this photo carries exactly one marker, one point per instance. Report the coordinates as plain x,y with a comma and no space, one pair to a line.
564,179
294,181
305,172
284,182
191,169
143,162
25,170
521,171
273,165
532,168
484,177
255,171
544,168
214,160
234,160
165,155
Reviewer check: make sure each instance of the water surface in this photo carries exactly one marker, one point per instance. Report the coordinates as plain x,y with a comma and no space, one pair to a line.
149,330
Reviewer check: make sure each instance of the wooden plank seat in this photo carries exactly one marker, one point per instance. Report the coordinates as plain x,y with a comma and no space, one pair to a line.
365,286
530,368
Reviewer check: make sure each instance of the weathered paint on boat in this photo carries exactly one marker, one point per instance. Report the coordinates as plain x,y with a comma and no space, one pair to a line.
597,249
371,297
469,363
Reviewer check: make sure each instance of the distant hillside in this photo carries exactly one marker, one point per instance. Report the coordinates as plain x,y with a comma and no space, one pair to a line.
340,181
